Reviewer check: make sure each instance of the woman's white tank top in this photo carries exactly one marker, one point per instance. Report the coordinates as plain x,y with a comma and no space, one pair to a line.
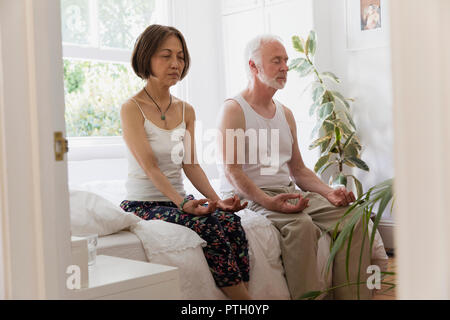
267,156
168,148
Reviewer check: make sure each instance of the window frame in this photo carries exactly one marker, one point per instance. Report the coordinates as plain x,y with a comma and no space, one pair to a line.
107,147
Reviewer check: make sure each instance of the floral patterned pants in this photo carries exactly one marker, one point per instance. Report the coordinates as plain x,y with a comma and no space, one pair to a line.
227,249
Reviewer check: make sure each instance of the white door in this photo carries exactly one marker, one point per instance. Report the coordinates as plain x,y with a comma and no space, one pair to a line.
34,200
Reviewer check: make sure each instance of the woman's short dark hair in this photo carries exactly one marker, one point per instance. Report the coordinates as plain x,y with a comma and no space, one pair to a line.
146,45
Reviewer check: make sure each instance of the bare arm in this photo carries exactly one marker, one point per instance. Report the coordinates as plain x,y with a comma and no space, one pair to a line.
232,118
305,178
195,173
136,140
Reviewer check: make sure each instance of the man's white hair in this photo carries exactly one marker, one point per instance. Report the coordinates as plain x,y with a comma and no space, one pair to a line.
253,50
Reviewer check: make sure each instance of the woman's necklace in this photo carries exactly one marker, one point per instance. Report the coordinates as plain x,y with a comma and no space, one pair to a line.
163,115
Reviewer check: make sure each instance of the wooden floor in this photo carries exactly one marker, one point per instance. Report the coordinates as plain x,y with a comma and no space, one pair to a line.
384,293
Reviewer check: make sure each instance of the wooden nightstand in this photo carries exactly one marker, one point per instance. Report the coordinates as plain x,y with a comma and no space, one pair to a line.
118,278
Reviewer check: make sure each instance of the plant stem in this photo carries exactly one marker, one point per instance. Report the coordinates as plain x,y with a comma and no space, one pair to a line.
315,70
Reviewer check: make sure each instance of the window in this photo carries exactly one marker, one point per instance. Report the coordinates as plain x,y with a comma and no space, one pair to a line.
98,38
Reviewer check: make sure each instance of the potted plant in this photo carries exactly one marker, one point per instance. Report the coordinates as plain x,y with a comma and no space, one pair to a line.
379,195
337,137
339,146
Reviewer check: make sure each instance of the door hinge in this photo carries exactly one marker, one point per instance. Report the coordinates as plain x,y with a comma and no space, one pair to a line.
61,146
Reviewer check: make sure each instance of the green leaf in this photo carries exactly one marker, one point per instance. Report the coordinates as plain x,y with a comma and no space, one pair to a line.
337,131
318,93
386,196
312,109
351,151
316,128
348,140
348,163
295,63
298,42
340,98
312,85
321,162
324,146
318,142
342,236
311,295
340,180
331,76
359,163
358,185
326,167
330,148
311,43
305,68
328,126
341,124
350,120
356,143
325,110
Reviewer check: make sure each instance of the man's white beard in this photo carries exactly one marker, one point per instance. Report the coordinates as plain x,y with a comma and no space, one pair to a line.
270,82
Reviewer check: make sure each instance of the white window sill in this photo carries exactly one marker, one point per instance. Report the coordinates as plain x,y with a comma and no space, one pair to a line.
88,148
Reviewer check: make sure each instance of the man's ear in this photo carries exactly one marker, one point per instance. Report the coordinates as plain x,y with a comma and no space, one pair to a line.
253,66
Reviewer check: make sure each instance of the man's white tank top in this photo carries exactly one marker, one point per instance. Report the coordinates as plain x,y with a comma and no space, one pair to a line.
266,162
168,148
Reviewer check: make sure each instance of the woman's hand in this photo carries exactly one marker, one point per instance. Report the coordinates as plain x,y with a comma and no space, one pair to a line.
232,204
195,207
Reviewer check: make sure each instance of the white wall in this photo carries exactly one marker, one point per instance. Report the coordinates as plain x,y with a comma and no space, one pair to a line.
199,21
365,76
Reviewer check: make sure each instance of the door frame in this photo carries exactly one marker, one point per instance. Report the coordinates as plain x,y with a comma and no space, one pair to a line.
35,200
421,78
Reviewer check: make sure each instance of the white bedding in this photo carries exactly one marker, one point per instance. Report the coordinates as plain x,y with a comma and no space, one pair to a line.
171,244
123,244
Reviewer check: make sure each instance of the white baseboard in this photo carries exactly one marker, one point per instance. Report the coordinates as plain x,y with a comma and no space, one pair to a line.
386,229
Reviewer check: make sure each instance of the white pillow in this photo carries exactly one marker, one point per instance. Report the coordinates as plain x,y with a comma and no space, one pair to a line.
91,213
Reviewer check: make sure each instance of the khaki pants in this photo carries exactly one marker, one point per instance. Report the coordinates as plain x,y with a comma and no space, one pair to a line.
300,233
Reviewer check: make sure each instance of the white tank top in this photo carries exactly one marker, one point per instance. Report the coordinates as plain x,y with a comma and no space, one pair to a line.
168,148
266,162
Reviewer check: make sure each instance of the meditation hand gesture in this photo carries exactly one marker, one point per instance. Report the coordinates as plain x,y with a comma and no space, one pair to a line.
196,207
340,197
281,203
232,204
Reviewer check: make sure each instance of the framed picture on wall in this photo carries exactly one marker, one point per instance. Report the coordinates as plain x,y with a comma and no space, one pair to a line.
367,24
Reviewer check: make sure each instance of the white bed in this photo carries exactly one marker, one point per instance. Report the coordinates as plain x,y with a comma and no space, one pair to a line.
94,208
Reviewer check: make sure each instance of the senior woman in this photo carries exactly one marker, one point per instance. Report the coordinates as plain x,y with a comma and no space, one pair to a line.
158,130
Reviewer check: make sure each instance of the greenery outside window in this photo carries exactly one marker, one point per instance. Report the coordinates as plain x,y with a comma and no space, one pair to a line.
98,37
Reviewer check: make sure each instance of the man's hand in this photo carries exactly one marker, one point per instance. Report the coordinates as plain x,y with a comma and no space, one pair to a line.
340,197
232,204
280,203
